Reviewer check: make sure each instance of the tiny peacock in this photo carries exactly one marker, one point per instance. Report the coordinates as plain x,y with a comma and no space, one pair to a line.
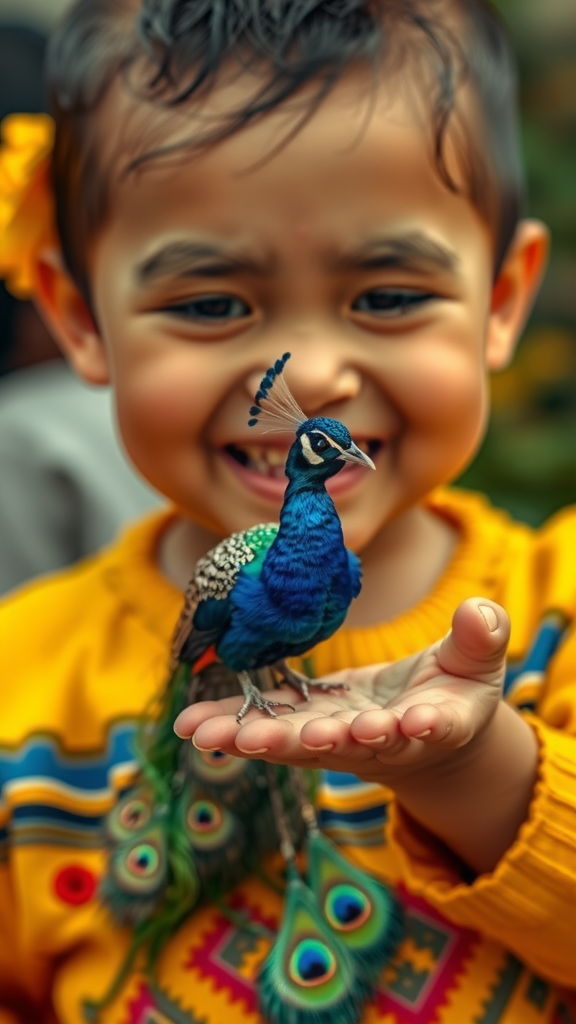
275,591
195,822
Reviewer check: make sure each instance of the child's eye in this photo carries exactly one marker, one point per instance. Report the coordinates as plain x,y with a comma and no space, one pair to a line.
390,302
211,308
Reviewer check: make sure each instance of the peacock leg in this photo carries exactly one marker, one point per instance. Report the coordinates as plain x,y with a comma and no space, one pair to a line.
302,684
254,699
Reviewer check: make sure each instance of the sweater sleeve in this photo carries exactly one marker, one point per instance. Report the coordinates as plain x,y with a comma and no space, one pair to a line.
24,977
523,902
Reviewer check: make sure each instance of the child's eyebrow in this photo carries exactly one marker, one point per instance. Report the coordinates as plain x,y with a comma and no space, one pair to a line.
412,251
184,259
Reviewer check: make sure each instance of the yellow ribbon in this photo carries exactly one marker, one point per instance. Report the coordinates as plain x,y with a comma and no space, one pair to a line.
27,222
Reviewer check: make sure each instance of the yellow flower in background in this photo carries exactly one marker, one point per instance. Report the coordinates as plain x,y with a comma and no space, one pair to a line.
26,203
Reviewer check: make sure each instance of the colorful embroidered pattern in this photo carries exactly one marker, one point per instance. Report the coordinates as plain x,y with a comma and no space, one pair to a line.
524,679
350,812
75,884
51,797
441,974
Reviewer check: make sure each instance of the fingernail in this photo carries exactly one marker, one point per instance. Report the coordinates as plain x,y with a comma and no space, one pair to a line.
205,750
261,750
489,616
327,746
380,740
421,735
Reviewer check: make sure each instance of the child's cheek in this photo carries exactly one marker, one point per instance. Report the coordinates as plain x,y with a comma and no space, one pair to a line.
447,386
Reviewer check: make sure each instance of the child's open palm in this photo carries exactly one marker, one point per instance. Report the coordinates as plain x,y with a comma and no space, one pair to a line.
394,719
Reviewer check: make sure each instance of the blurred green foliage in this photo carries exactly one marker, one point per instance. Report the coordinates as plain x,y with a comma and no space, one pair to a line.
528,460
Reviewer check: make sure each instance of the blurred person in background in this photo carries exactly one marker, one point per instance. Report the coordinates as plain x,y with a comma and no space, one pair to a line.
66,487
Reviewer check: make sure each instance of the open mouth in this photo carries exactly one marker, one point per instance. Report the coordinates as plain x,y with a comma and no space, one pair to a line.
269,462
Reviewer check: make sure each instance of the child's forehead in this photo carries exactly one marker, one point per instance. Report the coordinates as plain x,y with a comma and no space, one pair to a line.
151,139
156,89
356,178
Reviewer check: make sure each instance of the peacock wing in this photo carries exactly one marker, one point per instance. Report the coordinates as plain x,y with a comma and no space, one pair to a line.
206,608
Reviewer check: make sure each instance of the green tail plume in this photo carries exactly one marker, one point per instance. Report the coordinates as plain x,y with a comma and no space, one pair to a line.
308,977
364,914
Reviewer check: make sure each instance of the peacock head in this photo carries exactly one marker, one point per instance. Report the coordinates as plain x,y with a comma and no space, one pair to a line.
322,447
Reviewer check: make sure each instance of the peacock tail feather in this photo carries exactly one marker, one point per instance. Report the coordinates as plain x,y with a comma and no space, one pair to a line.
308,977
364,914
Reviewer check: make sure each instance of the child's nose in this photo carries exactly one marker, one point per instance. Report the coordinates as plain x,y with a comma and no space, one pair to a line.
317,375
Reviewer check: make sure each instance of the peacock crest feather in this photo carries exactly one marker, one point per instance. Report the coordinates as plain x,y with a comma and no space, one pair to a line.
275,408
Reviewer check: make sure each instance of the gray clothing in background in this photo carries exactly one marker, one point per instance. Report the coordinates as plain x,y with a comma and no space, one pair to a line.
65,485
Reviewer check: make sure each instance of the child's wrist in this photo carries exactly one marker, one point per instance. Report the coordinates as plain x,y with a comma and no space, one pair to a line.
475,797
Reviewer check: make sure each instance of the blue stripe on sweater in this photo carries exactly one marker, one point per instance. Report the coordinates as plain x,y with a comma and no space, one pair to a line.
42,757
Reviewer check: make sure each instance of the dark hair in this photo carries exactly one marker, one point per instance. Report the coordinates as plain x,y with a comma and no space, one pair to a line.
169,52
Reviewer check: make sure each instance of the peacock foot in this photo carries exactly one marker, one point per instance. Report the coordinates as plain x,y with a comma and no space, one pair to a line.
254,699
302,684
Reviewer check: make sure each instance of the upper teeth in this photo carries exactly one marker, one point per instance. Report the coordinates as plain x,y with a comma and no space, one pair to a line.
272,456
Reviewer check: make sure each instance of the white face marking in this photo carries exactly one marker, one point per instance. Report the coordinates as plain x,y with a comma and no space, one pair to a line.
309,455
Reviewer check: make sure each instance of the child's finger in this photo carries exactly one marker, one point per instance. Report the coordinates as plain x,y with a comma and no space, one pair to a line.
389,734
376,729
188,720
331,735
256,734
436,724
276,737
475,648
217,733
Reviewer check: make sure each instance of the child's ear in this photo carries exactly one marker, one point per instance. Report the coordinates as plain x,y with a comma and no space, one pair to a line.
514,291
70,320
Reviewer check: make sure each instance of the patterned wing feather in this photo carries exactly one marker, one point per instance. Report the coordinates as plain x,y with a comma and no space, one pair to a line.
214,577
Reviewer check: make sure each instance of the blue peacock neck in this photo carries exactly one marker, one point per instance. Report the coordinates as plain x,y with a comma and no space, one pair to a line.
308,552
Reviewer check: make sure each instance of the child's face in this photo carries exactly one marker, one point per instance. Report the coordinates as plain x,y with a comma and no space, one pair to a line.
345,249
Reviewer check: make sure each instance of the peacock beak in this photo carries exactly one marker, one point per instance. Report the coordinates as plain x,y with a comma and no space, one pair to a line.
355,454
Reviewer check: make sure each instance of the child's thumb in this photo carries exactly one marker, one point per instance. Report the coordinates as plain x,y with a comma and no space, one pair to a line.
475,647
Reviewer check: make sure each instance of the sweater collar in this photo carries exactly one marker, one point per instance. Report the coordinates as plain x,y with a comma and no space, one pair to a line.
131,569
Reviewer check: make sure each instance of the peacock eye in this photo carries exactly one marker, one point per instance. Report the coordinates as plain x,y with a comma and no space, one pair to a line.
134,815
346,907
143,860
320,444
312,963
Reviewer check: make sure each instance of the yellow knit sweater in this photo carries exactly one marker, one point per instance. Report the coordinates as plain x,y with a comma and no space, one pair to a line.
83,653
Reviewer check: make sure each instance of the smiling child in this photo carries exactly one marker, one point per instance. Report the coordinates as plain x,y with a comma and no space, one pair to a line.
230,181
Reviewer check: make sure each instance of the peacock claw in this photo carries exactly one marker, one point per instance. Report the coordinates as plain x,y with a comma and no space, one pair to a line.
302,684
254,699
